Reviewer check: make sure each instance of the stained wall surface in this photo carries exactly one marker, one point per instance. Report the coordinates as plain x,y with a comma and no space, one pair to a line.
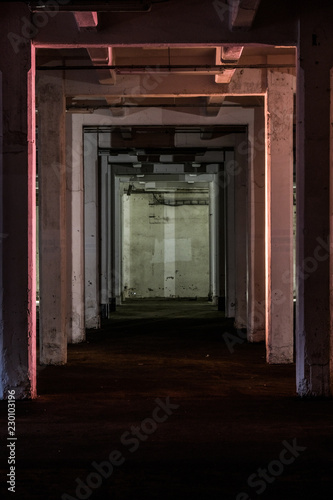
165,247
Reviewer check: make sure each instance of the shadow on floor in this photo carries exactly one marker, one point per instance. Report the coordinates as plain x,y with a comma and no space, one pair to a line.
158,393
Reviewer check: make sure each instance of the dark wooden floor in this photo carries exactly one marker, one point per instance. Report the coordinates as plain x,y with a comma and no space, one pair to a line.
158,392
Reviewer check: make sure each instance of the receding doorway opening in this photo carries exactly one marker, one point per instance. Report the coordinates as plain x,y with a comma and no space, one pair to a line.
165,207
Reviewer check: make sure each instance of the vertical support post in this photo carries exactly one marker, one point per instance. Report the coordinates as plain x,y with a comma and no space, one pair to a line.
52,219
116,236
111,271
314,204
219,188
279,217
213,243
75,231
256,226
18,209
230,261
239,171
91,231
104,237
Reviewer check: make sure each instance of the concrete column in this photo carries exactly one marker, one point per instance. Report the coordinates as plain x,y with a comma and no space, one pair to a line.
111,239
220,195
213,243
52,219
17,208
103,202
169,251
111,271
75,231
279,217
230,261
126,242
116,239
105,248
314,204
238,169
256,232
91,231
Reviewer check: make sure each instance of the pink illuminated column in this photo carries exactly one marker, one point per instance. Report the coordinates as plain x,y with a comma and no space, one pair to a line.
52,213
279,216
17,223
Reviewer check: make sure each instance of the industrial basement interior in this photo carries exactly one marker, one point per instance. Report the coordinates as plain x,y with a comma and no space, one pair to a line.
166,290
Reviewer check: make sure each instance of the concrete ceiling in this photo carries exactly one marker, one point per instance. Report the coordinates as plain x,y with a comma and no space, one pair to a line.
196,79
101,78
241,13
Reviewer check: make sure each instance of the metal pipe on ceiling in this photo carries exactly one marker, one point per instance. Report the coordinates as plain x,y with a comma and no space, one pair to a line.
138,69
86,6
178,106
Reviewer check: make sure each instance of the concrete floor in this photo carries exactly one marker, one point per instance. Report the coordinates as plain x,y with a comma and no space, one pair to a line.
231,415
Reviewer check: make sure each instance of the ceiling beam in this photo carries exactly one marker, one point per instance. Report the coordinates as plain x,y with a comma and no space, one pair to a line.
86,20
242,13
151,29
85,6
99,57
213,105
227,54
138,87
115,101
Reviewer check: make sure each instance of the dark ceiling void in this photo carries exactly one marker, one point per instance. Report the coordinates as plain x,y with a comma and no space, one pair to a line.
144,147
185,104
150,138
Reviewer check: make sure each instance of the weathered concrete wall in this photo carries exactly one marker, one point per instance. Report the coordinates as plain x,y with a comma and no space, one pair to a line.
167,251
